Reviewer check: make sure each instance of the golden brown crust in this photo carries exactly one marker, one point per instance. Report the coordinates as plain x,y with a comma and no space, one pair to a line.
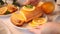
35,14
28,16
11,8
3,10
16,21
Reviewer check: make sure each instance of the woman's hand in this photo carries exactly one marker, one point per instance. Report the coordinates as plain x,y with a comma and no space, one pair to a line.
48,28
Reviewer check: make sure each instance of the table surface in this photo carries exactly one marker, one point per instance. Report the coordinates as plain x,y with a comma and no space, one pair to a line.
11,27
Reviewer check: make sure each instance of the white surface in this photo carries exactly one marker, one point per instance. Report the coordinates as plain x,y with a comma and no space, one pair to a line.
4,29
12,28
5,15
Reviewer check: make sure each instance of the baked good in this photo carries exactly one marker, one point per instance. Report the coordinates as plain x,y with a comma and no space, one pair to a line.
8,9
25,16
17,19
3,10
11,8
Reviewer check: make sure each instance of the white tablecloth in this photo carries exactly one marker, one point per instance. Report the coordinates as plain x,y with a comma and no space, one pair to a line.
12,29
